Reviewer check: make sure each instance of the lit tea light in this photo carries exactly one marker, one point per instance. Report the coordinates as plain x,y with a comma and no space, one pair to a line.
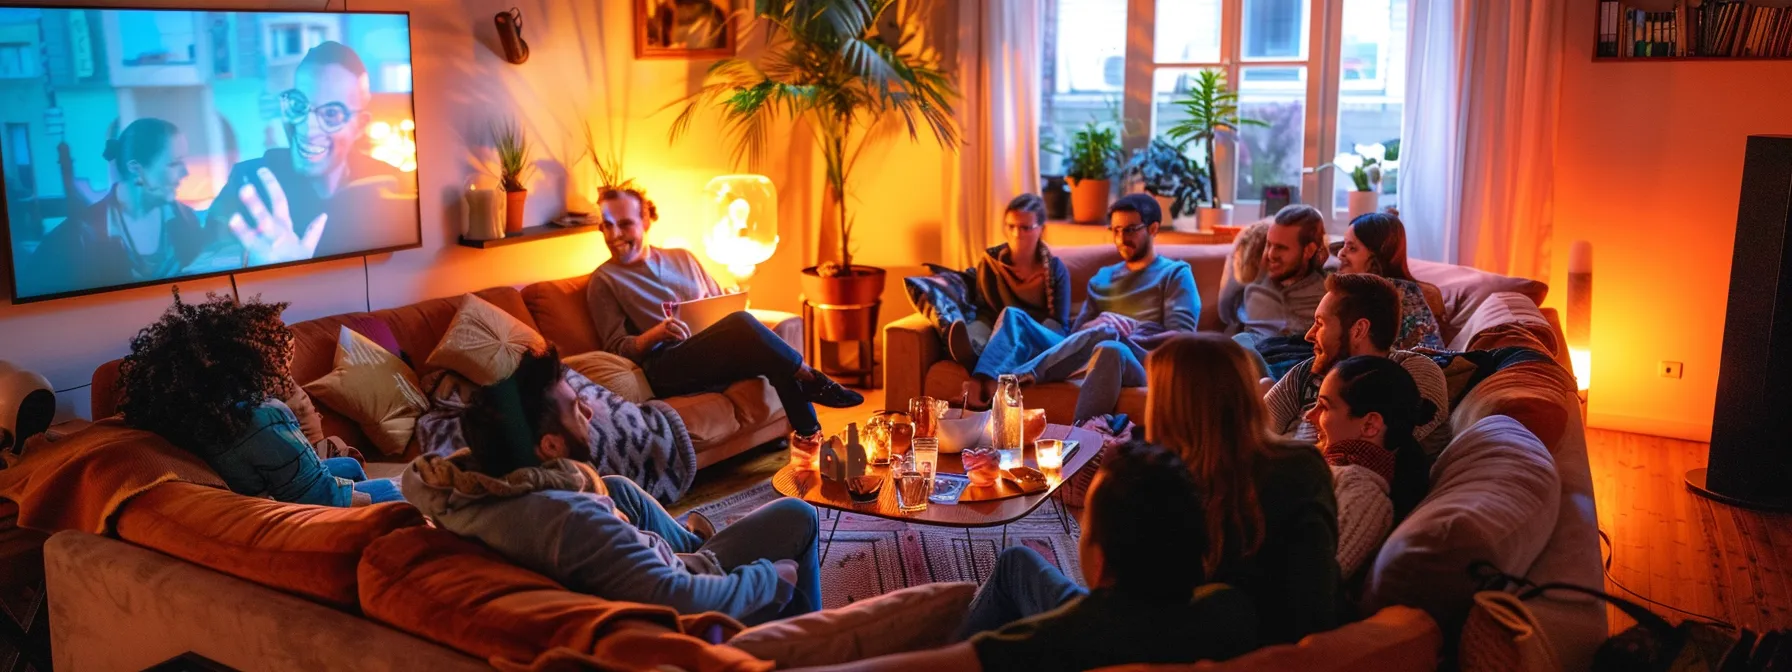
1049,453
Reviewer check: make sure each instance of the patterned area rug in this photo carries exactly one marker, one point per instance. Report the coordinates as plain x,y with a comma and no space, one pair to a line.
871,556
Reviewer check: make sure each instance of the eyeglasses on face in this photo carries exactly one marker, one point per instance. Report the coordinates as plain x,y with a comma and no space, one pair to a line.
1022,229
1127,230
295,107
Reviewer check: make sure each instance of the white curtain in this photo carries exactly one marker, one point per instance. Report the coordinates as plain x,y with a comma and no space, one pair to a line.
1478,136
998,76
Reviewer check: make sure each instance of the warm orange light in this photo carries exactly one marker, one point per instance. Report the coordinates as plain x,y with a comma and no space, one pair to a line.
396,147
745,211
1582,360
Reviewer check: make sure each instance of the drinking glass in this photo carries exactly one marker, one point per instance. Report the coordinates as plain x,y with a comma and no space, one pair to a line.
913,486
926,412
877,439
1049,453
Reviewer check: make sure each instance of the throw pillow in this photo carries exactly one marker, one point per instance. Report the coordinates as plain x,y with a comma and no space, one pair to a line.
484,343
309,551
311,424
911,619
943,297
615,373
373,388
376,330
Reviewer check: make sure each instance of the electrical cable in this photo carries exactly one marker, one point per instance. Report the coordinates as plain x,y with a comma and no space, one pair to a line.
233,293
366,281
1612,554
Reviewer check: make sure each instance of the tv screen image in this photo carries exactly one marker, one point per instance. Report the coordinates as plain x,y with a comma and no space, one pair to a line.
144,146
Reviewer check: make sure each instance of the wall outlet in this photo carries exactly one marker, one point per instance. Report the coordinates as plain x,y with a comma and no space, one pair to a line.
1669,369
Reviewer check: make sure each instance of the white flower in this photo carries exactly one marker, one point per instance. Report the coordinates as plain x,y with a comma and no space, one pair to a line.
1376,151
1374,173
1347,162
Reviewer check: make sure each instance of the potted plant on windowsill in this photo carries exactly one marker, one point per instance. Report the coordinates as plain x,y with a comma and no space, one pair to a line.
1090,162
1165,172
1212,117
1365,166
513,162
858,72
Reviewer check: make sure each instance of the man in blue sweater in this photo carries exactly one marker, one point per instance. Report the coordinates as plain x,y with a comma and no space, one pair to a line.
525,487
1130,308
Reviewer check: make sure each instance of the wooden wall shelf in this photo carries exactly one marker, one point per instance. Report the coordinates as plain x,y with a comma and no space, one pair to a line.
530,234
1712,30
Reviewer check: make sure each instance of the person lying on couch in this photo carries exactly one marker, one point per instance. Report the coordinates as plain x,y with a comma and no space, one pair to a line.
524,486
1130,308
209,377
1359,315
1031,617
627,295
1271,312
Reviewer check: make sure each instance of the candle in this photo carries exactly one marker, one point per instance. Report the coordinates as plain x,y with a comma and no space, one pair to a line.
1049,453
484,216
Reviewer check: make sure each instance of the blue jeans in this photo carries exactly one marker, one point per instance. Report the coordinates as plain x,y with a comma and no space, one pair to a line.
1103,361
379,489
1022,584
784,529
736,348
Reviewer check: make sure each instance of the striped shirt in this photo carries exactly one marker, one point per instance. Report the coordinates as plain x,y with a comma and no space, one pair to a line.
1297,392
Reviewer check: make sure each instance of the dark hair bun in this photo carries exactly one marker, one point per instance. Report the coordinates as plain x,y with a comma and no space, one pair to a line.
112,150
1424,413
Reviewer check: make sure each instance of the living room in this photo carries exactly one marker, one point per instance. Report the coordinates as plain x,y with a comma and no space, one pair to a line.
1522,154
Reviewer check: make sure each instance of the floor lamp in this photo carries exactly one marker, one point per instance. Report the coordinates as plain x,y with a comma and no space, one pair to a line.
1580,319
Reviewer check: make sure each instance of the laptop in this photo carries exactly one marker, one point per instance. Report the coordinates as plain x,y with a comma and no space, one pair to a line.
703,313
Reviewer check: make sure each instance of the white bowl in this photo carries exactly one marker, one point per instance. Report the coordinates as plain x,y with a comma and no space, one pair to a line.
958,433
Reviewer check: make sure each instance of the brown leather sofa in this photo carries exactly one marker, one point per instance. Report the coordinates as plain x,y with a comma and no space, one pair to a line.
722,424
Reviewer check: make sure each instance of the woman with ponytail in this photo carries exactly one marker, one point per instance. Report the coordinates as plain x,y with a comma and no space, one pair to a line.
137,233
1366,414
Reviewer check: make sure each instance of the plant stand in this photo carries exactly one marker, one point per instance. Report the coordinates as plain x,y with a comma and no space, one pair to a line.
813,338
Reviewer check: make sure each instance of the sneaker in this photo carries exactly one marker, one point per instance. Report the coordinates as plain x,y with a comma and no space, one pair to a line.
824,391
700,525
958,344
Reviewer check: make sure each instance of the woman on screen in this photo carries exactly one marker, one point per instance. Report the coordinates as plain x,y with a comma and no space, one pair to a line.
138,232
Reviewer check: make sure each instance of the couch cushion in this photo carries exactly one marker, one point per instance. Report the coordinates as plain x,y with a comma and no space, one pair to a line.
911,619
1464,289
614,372
1494,497
310,551
562,315
1207,261
1508,310
372,387
1529,392
418,328
484,343
453,591
708,416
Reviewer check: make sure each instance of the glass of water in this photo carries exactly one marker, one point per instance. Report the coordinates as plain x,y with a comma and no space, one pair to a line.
913,485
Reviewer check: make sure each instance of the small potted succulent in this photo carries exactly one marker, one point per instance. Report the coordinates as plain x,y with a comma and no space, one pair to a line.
1170,176
1090,162
1365,167
1212,118
513,165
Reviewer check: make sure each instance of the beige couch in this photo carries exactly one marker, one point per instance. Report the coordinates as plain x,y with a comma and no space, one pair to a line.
916,363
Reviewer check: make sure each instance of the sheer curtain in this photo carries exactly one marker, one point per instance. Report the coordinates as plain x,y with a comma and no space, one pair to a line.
1477,155
998,77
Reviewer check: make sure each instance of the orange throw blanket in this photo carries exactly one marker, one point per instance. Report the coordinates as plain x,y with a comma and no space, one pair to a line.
80,481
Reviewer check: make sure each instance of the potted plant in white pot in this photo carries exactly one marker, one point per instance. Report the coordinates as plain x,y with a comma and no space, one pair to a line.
855,70
1365,166
1211,112
1165,172
513,162
1090,161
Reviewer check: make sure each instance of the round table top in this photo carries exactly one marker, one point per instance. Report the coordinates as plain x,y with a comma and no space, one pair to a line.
999,506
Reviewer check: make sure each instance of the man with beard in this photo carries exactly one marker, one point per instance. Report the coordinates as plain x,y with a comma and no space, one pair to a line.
1130,308
1277,307
320,195
1358,316
627,297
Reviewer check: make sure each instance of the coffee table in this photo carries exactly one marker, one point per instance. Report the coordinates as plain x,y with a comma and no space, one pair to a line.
810,487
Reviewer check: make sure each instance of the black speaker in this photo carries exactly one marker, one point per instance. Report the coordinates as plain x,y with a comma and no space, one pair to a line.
1751,449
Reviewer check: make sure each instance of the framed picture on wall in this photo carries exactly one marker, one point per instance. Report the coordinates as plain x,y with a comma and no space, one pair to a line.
683,29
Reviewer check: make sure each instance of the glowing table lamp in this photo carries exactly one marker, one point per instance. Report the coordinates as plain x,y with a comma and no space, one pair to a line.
1580,321
745,211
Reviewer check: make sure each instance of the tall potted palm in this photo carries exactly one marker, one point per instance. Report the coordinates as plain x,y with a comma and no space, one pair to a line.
852,69
1211,112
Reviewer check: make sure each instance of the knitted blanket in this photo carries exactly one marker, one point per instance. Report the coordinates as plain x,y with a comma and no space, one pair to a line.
646,443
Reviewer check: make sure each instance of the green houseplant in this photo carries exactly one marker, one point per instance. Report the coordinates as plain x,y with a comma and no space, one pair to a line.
857,71
1091,159
513,165
1211,112
1169,175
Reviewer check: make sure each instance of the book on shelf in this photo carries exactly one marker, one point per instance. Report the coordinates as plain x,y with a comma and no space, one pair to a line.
1708,29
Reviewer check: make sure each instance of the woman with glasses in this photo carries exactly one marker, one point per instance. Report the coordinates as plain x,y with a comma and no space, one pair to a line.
137,233
1021,273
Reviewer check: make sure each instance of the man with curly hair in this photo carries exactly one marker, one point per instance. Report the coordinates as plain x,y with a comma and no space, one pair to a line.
209,377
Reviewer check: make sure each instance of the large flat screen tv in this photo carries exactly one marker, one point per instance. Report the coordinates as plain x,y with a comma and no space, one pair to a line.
141,146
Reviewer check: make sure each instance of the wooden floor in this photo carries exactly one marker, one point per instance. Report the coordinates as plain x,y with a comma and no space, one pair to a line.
1668,545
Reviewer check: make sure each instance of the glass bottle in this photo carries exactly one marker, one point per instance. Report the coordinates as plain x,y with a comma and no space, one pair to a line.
1008,420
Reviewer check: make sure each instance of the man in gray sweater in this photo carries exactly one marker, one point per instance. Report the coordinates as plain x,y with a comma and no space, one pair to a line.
628,295
1276,310
525,487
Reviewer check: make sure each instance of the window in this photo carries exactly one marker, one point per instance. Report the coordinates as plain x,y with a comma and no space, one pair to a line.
1271,53
17,148
288,41
17,61
150,37
395,78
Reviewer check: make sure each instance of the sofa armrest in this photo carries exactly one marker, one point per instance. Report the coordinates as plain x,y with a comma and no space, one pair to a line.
911,346
787,326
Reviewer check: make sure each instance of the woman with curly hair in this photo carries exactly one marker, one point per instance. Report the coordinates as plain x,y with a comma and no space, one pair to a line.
209,377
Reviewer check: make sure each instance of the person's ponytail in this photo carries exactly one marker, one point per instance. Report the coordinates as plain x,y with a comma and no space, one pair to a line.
1380,385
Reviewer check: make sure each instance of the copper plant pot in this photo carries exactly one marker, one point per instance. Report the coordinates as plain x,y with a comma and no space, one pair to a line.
843,303
513,211
1089,200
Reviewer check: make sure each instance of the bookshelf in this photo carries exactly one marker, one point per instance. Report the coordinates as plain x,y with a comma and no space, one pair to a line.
1712,30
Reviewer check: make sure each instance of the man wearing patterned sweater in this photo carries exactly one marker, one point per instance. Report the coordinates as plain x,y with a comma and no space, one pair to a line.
1359,315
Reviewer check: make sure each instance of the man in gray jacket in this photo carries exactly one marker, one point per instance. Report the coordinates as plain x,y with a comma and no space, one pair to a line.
525,487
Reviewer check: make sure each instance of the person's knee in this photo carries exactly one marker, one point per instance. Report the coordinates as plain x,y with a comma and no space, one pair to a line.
1019,559
616,485
794,512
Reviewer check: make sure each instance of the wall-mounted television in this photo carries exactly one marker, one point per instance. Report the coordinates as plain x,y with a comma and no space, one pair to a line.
143,146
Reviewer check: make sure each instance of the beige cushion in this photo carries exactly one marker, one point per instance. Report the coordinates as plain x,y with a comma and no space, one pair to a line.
708,416
310,423
1494,497
375,389
614,373
484,343
1464,289
911,619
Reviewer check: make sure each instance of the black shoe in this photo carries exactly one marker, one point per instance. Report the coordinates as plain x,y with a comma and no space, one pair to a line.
824,391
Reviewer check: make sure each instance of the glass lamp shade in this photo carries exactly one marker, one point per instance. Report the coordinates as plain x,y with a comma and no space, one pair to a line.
744,212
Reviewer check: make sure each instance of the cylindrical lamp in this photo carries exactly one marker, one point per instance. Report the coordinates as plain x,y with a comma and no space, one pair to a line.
1580,317
745,211
27,405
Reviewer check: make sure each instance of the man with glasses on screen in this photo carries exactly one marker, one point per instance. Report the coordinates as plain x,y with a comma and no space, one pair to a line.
1130,307
320,195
